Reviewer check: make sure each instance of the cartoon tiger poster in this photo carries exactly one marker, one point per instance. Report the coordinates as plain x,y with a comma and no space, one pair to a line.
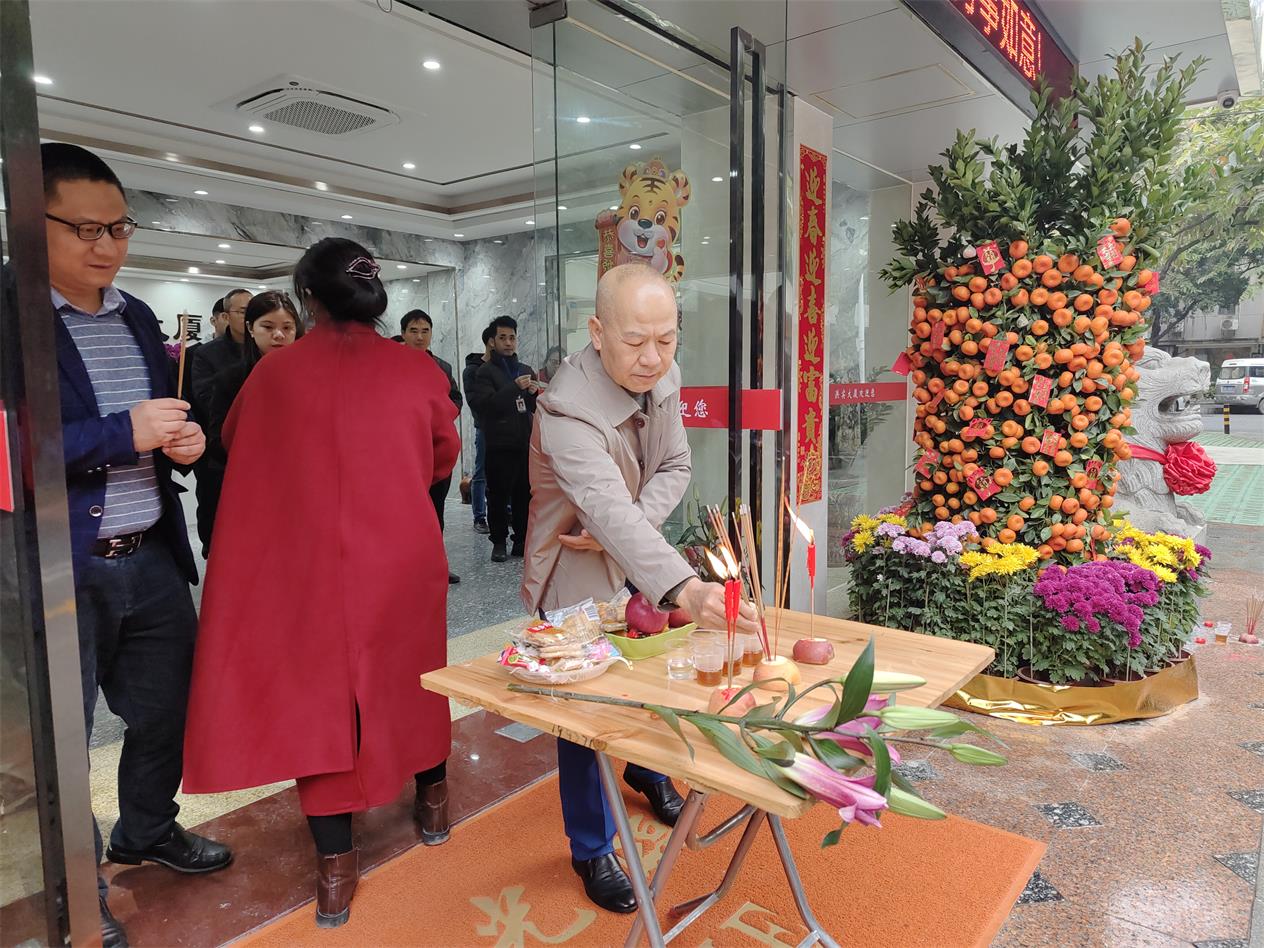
645,227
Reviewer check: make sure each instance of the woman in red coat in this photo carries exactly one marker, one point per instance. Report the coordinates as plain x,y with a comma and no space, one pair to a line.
326,592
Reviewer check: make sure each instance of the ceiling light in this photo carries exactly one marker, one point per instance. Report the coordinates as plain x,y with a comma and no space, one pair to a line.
514,300
409,166
431,64
194,270
321,186
583,120
415,280
172,200
401,266
635,147
221,262
346,217
498,241
257,129
201,193
43,81
225,246
156,223
262,286
184,279
717,178
428,240
530,223
562,207
171,156
458,235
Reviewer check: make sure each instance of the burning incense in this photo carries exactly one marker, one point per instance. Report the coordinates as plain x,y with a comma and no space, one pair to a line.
746,537
724,567
1254,608
184,322
807,533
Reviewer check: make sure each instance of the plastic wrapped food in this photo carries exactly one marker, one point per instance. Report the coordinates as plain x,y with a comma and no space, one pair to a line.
565,648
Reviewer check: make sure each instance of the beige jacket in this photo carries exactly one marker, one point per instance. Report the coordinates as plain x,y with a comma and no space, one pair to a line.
598,463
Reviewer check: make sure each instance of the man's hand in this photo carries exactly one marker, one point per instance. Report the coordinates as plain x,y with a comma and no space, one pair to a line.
156,421
188,444
584,541
705,602
524,382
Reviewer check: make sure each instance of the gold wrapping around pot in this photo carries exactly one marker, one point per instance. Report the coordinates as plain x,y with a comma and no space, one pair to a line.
1029,703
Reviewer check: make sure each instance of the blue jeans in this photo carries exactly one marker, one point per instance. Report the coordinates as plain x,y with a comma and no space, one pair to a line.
588,822
478,483
137,626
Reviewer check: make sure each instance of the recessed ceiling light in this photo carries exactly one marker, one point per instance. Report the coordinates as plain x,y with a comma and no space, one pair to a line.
184,279
428,240
43,81
201,193
321,186
562,207
530,223
401,266
262,286
346,217
635,147
415,280
514,300
171,156
156,223
225,246
172,200
717,178
409,166
194,270
256,129
498,241
431,64
583,120
221,262
458,235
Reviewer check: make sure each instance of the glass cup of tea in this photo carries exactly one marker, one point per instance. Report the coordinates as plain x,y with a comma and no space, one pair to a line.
708,658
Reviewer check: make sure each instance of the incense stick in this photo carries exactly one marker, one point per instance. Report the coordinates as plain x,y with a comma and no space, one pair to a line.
746,534
780,573
184,321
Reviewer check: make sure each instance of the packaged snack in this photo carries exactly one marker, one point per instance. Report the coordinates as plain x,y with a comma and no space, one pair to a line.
565,648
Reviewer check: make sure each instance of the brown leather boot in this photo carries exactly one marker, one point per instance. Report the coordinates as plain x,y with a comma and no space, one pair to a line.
430,810
336,878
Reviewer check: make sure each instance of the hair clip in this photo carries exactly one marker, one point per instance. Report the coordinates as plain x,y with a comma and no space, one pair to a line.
363,268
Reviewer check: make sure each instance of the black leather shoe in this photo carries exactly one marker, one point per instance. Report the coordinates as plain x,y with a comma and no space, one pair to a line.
606,884
182,851
519,550
664,800
480,526
498,553
112,934
453,579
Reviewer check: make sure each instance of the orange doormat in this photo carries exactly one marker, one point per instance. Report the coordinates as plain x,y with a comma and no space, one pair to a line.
504,879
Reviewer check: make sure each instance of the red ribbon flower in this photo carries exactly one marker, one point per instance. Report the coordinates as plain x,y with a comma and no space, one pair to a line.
1187,469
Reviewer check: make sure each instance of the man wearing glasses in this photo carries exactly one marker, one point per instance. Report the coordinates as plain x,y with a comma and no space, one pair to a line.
208,361
122,434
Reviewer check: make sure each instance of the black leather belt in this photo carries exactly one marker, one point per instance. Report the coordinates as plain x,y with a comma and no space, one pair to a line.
115,547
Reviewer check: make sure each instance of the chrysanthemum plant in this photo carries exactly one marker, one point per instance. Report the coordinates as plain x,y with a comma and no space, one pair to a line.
1032,271
841,754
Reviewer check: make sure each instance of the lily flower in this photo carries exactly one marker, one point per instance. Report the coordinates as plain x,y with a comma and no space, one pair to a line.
854,797
848,735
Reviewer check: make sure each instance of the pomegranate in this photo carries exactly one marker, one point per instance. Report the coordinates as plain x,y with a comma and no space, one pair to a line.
679,617
643,617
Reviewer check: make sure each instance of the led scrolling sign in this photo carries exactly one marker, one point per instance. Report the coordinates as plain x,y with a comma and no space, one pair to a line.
1011,29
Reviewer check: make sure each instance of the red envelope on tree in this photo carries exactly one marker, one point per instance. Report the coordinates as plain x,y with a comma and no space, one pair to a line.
1041,389
997,353
1108,251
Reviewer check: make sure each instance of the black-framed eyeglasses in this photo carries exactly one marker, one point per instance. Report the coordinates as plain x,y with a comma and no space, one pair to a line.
91,230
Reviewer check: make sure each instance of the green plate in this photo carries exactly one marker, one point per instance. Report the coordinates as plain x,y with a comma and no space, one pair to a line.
637,649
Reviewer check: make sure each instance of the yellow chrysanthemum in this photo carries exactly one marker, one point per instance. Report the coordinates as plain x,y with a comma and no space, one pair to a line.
1163,554
863,522
999,559
862,540
892,518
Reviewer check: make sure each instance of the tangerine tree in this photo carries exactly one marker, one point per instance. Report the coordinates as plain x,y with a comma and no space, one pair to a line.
1032,271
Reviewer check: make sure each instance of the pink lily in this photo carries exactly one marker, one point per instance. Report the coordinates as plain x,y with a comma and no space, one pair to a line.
847,735
854,797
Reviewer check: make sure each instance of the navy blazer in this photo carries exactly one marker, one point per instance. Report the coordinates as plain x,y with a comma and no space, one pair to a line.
93,443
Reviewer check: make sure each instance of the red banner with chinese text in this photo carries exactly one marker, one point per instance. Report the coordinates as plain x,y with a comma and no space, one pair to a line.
810,400
707,406
855,393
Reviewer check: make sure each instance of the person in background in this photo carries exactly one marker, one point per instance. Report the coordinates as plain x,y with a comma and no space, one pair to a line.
219,318
316,621
209,360
271,322
122,434
478,483
417,331
609,463
552,360
504,395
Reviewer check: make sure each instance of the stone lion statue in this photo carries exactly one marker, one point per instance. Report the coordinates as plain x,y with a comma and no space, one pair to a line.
1166,412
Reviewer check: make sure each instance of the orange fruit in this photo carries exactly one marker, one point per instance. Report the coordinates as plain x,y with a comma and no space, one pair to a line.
1042,263
1007,536
1055,503
1083,303
1063,458
1070,505
1015,522
992,296
1078,440
1062,318
976,300
1039,296
1051,278
1039,327
1040,468
988,515
977,284
1027,502
1017,249
960,292
1044,551
1144,276
1021,269
1083,273
1121,226
1003,476
1068,262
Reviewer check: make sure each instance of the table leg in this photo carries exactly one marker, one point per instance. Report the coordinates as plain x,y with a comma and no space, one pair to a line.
681,832
694,908
815,932
631,852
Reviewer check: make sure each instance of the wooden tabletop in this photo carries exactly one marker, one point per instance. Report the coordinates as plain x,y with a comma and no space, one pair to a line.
632,734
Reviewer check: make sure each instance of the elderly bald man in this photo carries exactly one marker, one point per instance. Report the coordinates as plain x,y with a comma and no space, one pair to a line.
609,462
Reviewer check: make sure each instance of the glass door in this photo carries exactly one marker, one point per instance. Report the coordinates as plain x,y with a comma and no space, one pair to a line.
632,113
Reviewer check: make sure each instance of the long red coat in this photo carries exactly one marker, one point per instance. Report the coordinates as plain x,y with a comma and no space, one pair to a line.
327,587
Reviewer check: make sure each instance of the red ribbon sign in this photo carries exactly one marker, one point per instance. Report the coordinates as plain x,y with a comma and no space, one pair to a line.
855,393
707,406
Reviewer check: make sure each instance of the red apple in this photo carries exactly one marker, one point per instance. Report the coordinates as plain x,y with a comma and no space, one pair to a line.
642,616
679,617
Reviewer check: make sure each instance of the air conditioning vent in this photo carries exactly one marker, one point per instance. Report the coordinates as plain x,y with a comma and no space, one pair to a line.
302,104
1228,324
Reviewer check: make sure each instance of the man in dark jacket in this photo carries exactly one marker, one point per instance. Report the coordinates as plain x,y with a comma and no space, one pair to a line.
478,483
122,433
503,395
207,362
417,331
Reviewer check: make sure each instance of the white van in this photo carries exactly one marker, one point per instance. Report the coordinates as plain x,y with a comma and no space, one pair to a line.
1241,382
